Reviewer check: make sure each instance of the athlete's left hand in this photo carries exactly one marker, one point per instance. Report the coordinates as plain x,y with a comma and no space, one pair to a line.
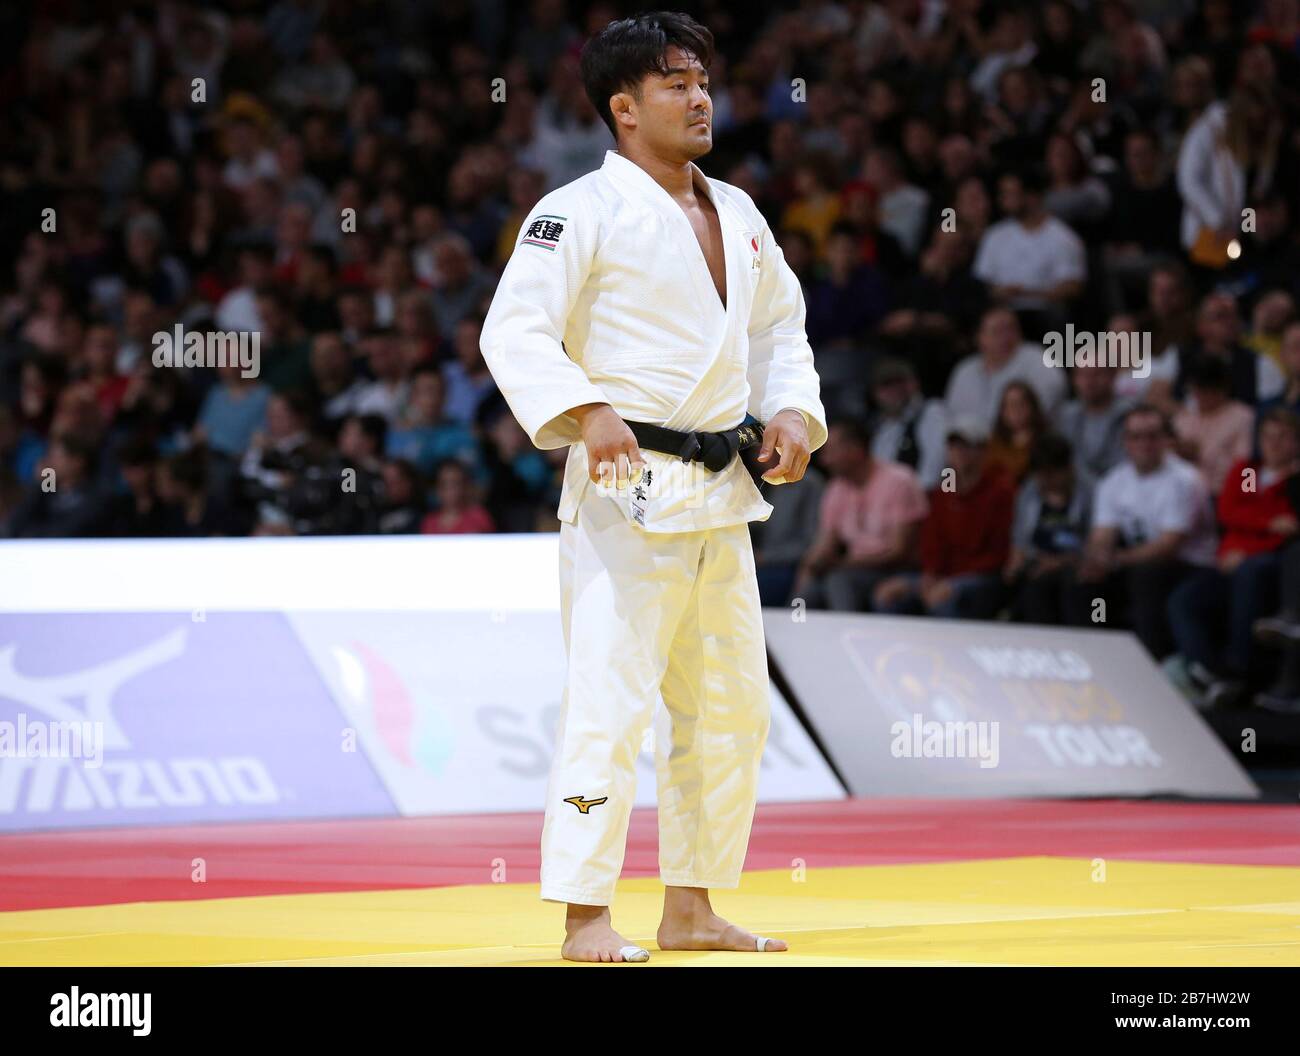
786,434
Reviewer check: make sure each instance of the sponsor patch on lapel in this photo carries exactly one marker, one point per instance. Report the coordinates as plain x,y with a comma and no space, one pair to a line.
755,256
544,231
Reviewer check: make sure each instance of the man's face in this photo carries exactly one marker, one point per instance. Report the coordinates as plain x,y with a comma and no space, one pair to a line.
329,358
1144,440
892,396
1278,444
998,334
1140,156
1011,196
966,458
1164,293
1094,384
1217,323
842,454
674,116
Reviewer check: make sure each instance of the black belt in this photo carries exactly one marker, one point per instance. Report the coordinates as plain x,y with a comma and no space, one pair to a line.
715,450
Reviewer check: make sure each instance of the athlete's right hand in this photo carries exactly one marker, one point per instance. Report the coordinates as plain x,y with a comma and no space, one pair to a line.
613,455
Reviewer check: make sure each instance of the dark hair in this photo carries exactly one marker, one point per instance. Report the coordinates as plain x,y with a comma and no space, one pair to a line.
1031,177
300,404
843,229
78,447
189,469
1037,420
624,52
406,468
325,254
1283,416
859,431
1149,408
136,450
374,426
1051,452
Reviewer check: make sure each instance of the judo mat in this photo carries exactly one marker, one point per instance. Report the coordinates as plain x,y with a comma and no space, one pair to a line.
856,882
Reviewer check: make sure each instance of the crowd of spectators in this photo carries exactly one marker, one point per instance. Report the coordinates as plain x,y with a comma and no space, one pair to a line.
953,181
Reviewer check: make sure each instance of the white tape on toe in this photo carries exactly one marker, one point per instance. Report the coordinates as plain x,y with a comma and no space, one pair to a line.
634,953
761,943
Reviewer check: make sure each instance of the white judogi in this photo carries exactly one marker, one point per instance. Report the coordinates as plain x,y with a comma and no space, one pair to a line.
608,299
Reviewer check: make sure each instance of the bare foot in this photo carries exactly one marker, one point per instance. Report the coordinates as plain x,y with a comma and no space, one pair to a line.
712,933
592,938
689,923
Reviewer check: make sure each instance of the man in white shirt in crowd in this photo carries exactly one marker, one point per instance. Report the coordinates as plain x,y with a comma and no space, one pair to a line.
1031,262
645,310
975,387
1152,523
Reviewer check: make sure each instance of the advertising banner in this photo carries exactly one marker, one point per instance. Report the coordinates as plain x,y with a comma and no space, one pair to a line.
140,718
917,706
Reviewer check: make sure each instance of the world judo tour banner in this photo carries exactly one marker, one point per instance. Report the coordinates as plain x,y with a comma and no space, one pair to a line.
918,706
182,681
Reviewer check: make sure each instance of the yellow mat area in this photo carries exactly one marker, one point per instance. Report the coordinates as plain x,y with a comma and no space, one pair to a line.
1020,911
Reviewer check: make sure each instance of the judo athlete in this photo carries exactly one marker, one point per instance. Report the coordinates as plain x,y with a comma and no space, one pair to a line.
647,293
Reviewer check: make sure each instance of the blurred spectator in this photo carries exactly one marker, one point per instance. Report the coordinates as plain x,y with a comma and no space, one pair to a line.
1289,355
1144,218
468,380
1074,196
1218,331
189,509
389,392
846,301
965,541
781,541
1213,612
937,306
1031,261
402,509
1272,312
816,206
1169,320
423,435
516,473
1018,429
866,526
1283,631
232,412
460,286
902,207
335,386
458,508
906,428
975,388
276,458
1226,141
1214,431
1051,524
1094,420
65,504
1152,524
137,512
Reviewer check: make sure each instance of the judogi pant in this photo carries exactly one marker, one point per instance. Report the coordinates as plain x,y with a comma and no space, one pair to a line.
643,614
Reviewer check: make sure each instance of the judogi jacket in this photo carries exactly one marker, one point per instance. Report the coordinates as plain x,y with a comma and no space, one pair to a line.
608,298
